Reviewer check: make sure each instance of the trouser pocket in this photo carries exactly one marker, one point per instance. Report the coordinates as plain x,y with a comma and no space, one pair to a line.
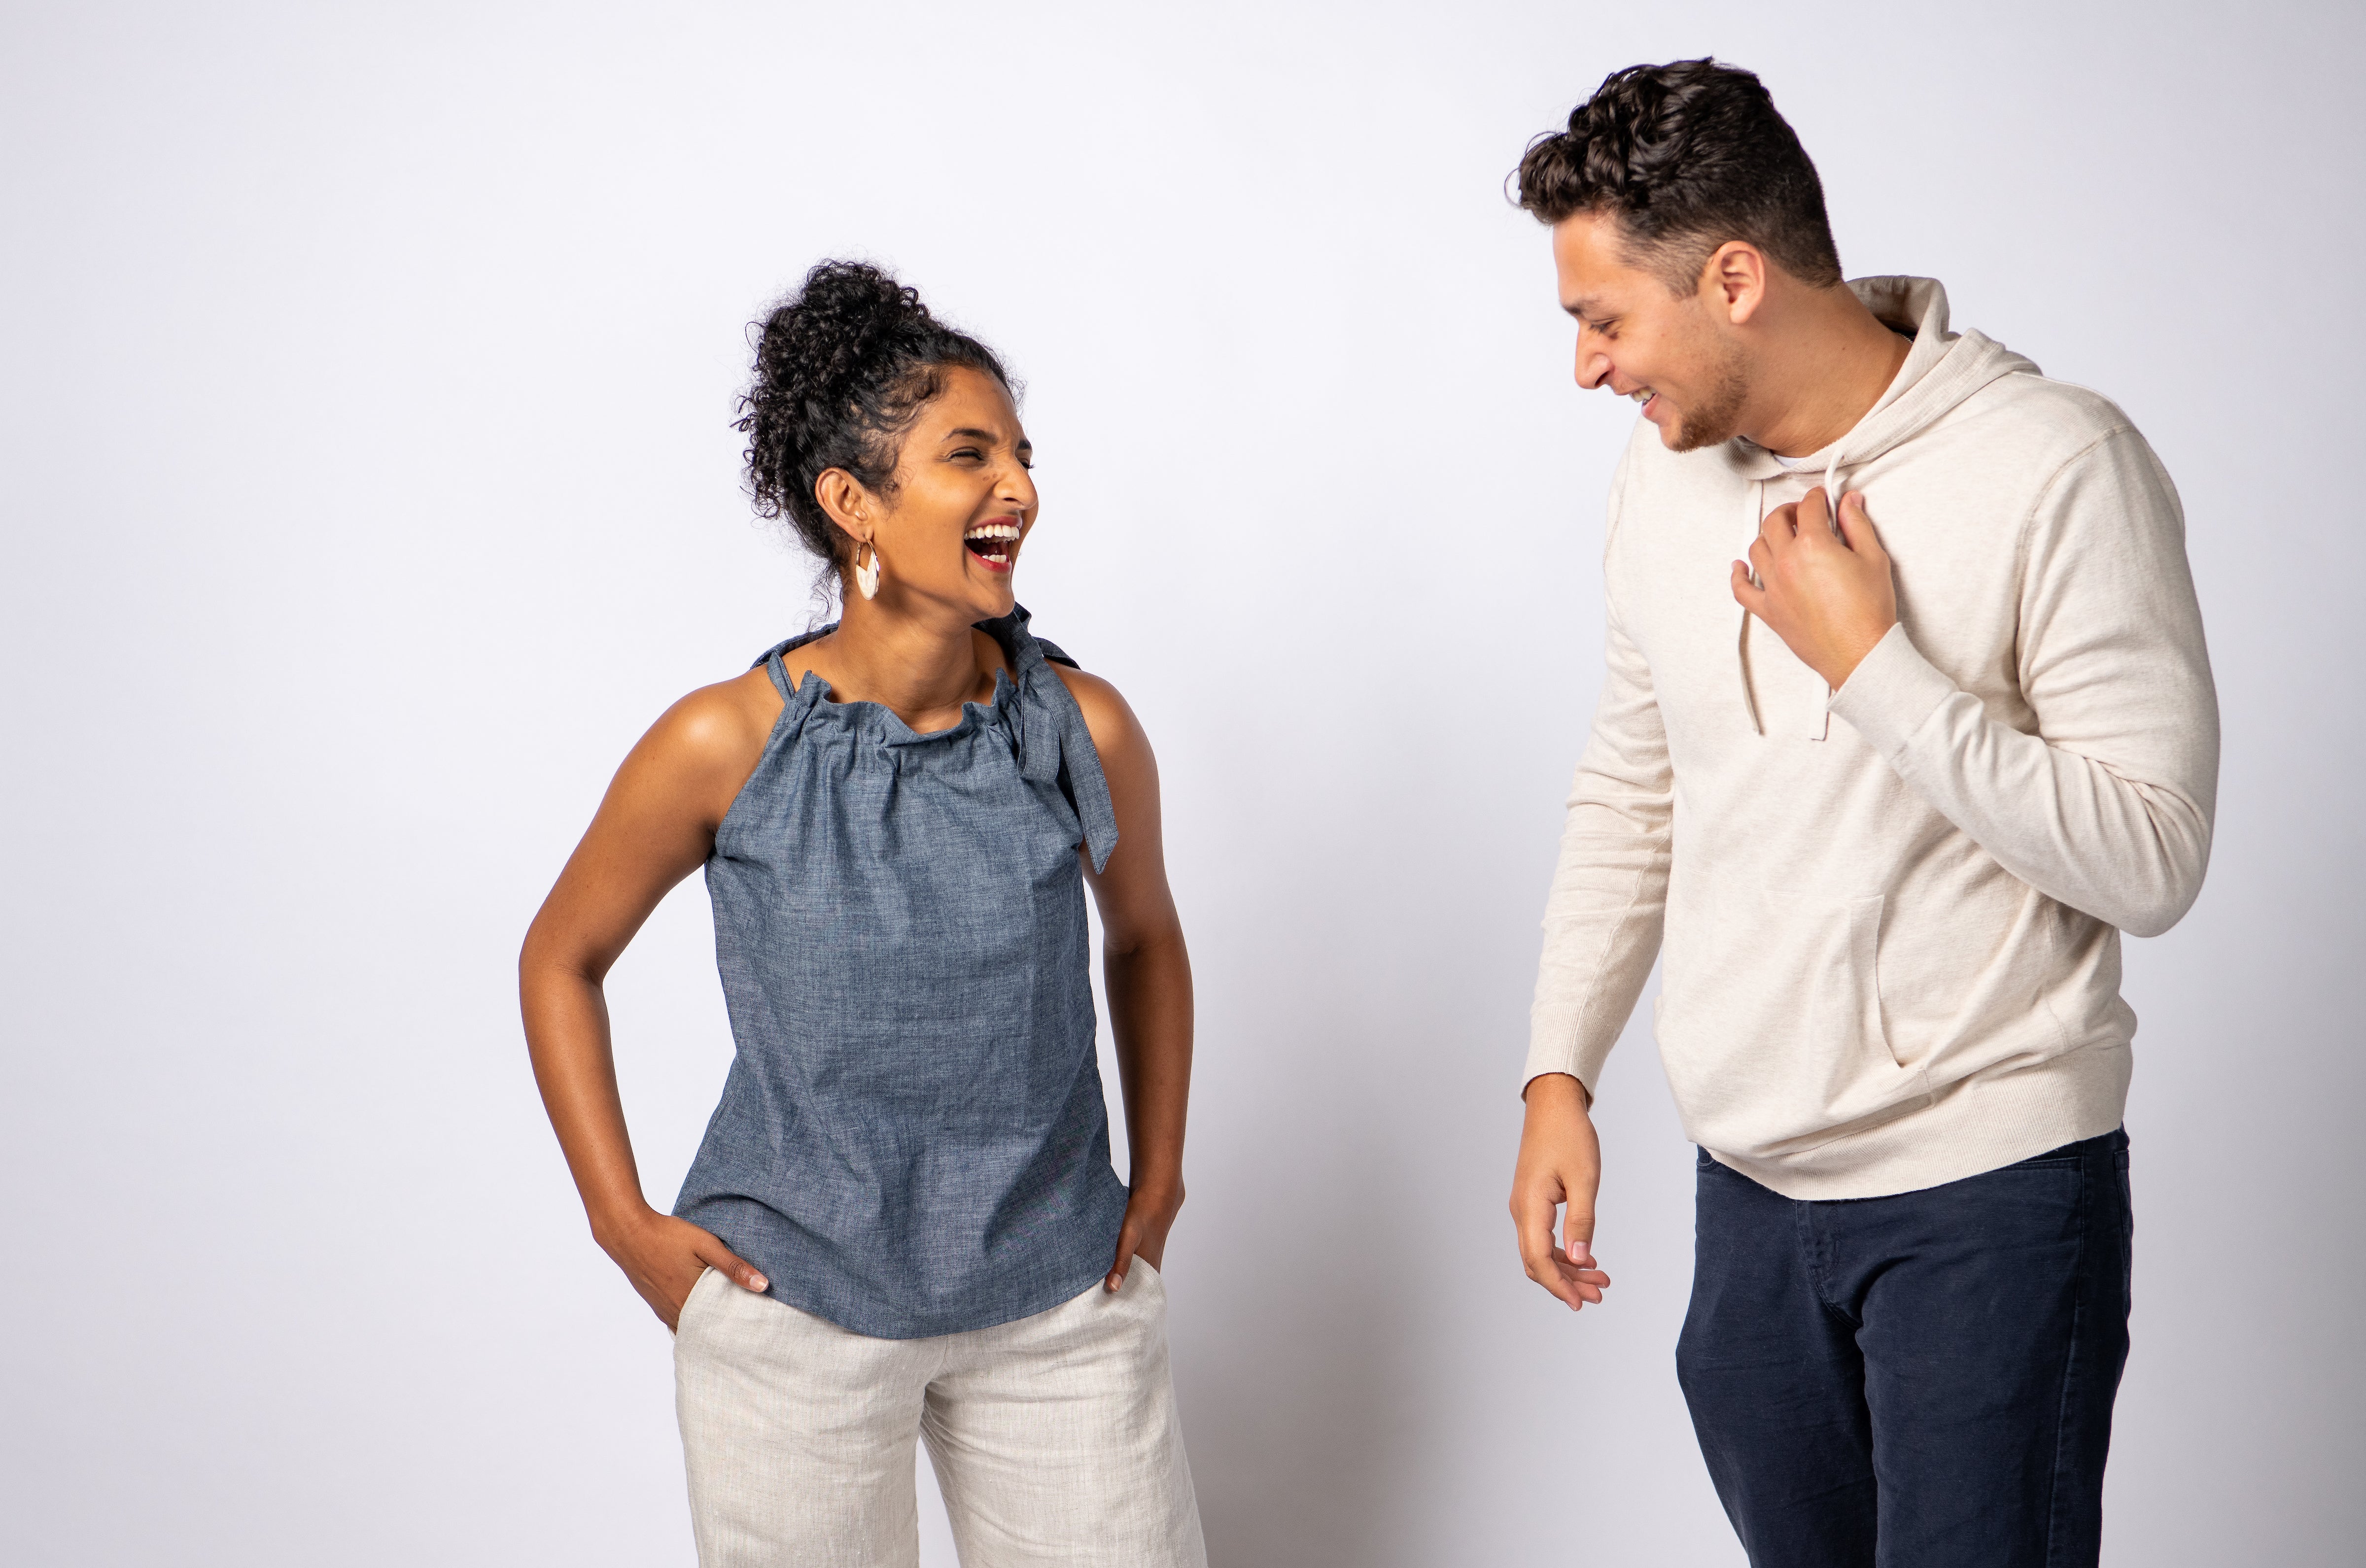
681,1317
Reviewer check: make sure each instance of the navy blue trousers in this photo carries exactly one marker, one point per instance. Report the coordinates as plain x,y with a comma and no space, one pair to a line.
1922,1381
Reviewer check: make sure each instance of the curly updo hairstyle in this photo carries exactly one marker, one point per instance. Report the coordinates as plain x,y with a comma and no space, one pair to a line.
843,367
1687,156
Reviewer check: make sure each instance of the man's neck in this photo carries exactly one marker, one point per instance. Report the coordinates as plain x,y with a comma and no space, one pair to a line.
1831,362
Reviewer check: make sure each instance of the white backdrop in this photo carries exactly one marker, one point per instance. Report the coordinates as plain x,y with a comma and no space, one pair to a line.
368,487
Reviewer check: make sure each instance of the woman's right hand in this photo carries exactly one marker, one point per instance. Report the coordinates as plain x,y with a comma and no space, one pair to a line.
664,1256
655,826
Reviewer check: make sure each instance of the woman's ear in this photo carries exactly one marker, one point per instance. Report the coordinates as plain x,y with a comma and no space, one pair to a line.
846,503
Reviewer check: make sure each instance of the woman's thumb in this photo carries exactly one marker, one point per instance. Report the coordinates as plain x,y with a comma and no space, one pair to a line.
735,1268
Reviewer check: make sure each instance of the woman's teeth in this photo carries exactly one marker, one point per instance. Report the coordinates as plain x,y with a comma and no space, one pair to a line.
992,541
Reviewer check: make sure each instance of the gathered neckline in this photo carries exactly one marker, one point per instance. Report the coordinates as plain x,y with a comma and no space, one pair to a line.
1023,663
814,693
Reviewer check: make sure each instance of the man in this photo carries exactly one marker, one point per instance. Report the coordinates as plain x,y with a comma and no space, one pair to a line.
1890,785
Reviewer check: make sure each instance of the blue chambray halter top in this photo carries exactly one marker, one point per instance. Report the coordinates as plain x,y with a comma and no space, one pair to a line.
912,1139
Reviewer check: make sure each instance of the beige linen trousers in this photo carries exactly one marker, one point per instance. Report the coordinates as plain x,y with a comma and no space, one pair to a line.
1054,1438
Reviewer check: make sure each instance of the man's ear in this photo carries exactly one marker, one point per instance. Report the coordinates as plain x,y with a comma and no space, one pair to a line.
1733,281
846,503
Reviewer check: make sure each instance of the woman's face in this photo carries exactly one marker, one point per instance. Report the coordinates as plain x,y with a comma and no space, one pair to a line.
961,504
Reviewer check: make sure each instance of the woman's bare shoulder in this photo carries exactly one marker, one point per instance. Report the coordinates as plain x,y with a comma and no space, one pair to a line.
716,729
1107,716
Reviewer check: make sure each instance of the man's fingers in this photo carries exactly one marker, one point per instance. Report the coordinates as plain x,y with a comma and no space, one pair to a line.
1815,521
1561,1281
1747,594
1533,1214
1581,1281
1856,527
1577,1235
1572,1281
1779,526
1761,561
1554,1275
1564,1267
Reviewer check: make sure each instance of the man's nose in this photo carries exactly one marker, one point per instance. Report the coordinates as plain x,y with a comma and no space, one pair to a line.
1593,368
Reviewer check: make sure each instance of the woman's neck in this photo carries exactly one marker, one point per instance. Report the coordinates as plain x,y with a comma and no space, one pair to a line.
921,667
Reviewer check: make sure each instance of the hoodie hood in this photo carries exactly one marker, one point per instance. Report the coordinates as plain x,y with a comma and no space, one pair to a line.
1942,370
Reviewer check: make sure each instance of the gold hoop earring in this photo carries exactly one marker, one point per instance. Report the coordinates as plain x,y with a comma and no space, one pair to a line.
866,578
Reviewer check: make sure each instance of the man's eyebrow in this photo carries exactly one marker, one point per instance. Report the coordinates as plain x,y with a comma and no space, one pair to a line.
1583,310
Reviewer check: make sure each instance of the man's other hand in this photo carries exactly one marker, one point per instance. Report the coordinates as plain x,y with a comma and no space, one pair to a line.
1560,1163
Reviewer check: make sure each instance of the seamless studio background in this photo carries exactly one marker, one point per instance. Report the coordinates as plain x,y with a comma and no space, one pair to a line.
370,486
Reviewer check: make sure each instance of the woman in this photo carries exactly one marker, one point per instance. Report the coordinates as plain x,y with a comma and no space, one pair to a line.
903,1222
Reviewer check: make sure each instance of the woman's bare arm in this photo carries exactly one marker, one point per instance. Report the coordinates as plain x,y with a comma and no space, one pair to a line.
1147,971
656,826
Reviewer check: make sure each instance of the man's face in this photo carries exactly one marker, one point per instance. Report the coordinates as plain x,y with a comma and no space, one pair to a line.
1665,350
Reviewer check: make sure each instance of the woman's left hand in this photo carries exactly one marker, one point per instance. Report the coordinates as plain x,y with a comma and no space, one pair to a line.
1146,973
1148,1217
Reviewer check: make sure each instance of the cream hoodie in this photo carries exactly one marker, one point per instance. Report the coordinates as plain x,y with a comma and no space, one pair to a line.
1891,914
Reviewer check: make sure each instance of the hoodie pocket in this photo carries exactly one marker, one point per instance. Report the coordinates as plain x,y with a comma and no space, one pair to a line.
1847,1067
1864,991
1771,1026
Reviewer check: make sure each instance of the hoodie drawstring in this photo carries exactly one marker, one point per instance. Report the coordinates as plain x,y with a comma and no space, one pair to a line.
1821,728
1742,641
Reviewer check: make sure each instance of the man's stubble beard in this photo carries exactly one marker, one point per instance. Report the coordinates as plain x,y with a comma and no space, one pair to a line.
1717,418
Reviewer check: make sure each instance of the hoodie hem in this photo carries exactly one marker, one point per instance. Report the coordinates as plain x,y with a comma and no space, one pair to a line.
1977,1125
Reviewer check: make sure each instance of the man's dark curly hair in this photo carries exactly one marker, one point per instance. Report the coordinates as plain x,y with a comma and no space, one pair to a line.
843,367
1685,156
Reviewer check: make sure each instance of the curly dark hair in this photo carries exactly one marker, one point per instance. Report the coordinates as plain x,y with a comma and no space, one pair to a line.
843,367
1687,156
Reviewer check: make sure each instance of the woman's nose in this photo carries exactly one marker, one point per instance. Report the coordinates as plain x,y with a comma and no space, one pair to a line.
1018,489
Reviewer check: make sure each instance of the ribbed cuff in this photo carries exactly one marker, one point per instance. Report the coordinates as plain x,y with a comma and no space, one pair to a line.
1581,1060
1890,693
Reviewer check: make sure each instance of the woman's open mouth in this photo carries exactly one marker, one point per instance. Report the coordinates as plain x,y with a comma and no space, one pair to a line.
994,542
